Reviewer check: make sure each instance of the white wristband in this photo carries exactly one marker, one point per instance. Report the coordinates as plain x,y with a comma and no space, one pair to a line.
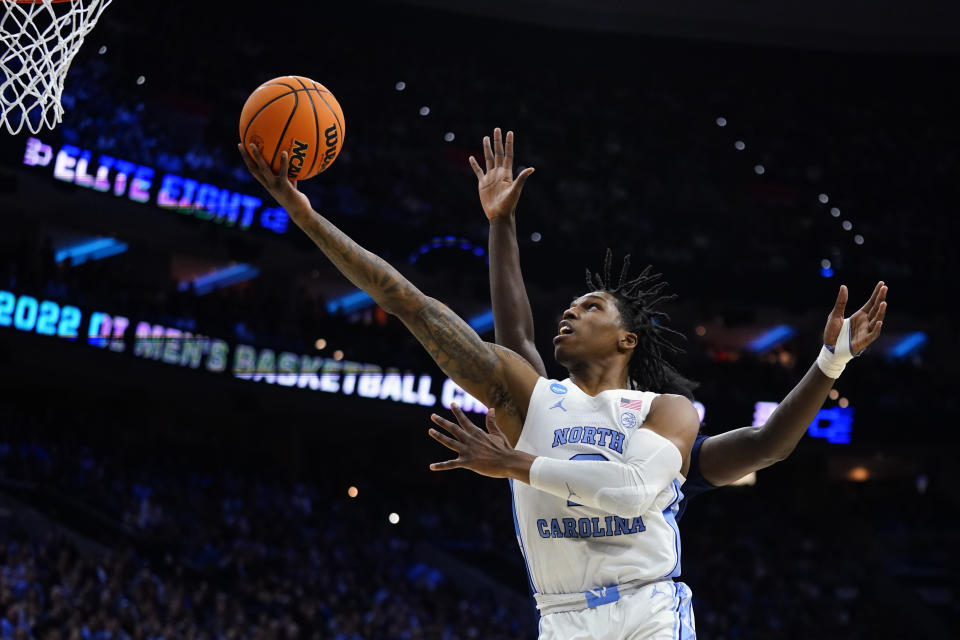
832,360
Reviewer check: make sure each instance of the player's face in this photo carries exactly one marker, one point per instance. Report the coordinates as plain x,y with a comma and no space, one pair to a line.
590,329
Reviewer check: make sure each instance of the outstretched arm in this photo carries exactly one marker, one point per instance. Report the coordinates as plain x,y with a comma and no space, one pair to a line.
729,456
499,193
496,376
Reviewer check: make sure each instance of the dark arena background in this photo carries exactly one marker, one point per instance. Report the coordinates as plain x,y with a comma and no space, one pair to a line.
207,432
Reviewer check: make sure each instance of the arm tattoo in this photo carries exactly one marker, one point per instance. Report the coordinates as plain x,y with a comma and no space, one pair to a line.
453,345
449,340
394,293
460,353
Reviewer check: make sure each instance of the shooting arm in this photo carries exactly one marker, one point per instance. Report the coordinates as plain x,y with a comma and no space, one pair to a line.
729,456
512,316
496,376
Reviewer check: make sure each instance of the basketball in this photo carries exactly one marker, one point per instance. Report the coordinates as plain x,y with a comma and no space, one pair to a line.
296,115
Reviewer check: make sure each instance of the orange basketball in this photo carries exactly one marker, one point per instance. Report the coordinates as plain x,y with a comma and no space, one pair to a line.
296,115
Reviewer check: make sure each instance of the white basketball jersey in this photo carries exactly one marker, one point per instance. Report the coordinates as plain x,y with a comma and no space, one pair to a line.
573,549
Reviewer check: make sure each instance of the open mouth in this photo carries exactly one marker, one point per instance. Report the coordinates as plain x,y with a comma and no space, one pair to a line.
565,330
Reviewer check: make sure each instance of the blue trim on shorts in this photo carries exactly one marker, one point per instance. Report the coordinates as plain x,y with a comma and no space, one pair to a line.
606,596
678,629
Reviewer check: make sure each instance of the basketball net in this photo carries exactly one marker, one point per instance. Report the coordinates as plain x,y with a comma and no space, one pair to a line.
38,40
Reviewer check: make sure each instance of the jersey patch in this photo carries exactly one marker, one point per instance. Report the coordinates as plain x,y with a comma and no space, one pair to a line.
556,387
628,420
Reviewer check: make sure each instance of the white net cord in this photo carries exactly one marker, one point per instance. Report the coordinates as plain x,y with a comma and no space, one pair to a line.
38,41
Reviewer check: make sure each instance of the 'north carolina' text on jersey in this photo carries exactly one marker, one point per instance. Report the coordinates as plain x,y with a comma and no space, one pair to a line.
570,548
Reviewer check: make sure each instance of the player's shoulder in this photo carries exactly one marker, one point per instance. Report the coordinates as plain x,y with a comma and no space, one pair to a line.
674,417
678,407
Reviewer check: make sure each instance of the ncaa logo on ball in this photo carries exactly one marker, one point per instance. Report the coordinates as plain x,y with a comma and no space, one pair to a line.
556,387
628,420
297,157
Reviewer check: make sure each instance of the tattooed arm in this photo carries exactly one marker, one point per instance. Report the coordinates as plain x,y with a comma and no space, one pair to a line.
496,376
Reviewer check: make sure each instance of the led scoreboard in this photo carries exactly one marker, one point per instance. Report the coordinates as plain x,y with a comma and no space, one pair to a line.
171,346
139,183
26,313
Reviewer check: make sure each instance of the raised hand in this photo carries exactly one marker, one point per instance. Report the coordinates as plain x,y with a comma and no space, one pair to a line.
283,190
499,191
865,324
485,452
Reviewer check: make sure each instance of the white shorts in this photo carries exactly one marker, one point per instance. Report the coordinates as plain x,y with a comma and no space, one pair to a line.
658,611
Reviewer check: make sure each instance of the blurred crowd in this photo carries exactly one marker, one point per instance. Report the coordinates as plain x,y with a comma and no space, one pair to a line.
222,550
223,555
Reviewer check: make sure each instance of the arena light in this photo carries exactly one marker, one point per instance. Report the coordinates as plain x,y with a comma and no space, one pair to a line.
439,242
95,249
858,474
220,278
483,322
770,339
908,345
351,302
701,410
833,425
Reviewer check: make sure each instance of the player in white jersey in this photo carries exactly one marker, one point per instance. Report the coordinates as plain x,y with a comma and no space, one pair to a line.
715,460
596,346
602,354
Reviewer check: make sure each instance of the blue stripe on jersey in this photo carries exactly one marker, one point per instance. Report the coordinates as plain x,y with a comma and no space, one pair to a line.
670,515
523,549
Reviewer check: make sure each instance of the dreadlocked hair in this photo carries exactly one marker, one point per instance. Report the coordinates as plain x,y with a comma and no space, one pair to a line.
637,300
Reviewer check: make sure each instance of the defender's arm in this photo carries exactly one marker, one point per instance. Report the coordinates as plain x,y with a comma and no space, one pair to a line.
729,456
512,316
499,193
